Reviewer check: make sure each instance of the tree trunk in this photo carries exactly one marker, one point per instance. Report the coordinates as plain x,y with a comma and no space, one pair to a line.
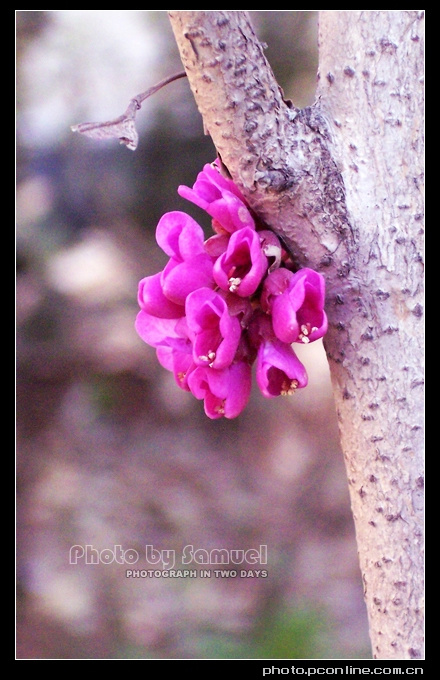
340,183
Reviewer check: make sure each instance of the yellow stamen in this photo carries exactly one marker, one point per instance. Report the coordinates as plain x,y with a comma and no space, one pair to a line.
220,408
288,388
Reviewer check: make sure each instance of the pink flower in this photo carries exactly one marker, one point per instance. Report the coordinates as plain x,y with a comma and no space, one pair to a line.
180,236
216,332
152,299
189,266
173,341
296,302
274,284
279,371
242,266
223,303
220,198
225,392
179,361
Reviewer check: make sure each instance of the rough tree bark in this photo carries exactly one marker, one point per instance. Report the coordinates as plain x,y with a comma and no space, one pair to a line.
340,182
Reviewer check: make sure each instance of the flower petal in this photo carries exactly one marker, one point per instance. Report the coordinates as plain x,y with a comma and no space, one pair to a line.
241,268
154,330
298,313
225,392
279,371
216,332
220,198
152,299
180,236
179,279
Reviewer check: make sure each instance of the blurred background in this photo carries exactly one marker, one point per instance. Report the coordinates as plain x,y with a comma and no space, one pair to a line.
109,451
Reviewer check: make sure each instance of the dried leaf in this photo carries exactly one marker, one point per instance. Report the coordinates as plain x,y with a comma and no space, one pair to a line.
122,128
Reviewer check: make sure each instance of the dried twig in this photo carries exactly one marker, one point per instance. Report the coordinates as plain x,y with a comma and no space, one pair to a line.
123,127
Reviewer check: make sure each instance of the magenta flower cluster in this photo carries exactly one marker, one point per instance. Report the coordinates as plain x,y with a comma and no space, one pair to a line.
224,303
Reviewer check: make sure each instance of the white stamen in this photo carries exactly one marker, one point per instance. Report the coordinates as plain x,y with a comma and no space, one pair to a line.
233,284
208,357
304,330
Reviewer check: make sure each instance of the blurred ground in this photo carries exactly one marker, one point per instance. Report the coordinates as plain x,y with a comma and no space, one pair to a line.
109,451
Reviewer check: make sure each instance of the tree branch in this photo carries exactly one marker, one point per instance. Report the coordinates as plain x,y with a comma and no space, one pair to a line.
320,179
275,152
